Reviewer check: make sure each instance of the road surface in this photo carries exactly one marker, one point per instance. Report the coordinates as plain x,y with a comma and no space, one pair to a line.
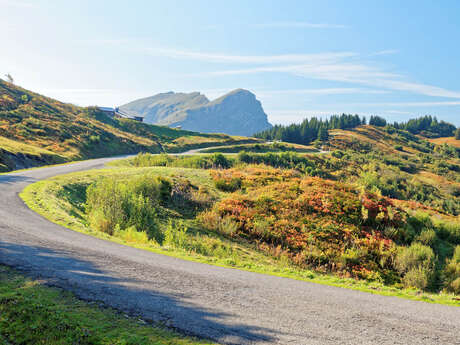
226,305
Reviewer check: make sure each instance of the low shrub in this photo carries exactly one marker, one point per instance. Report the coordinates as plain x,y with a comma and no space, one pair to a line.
131,235
449,231
451,273
114,204
175,235
316,223
427,237
285,160
225,185
416,264
214,161
417,277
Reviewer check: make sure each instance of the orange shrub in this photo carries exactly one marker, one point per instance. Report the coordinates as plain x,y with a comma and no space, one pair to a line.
315,222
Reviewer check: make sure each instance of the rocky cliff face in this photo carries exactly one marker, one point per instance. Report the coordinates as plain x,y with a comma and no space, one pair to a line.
236,113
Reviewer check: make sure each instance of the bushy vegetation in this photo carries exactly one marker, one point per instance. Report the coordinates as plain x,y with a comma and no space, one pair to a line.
214,161
313,222
452,272
422,178
416,264
311,165
261,148
330,227
113,206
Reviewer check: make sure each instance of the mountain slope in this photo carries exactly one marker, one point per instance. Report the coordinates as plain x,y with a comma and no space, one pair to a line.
236,113
37,130
156,109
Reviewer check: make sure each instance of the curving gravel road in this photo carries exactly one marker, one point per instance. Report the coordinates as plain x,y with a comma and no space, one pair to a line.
226,305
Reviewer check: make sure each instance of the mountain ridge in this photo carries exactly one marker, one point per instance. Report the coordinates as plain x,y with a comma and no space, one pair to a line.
237,112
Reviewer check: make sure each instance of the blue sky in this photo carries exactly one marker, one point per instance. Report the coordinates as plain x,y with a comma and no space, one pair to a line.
398,59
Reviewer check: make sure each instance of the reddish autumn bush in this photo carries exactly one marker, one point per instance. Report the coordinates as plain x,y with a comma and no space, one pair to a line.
317,223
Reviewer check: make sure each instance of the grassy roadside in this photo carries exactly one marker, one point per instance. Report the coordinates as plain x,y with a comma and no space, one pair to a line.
48,198
33,313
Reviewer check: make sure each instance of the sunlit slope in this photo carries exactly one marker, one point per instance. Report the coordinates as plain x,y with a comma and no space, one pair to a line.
37,130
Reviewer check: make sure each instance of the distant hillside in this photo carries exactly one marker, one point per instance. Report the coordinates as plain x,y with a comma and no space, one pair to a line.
313,129
37,130
236,113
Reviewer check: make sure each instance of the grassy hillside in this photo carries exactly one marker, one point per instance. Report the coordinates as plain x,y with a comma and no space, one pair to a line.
446,140
36,130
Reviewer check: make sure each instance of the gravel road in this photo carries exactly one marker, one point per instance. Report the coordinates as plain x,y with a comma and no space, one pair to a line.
226,305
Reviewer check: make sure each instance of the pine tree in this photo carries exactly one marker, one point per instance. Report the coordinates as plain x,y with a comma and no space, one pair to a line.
323,134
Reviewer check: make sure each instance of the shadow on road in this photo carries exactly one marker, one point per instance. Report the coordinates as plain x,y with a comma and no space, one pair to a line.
8,179
132,296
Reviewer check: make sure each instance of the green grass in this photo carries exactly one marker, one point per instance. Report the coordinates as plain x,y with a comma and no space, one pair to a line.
33,313
60,199
9,149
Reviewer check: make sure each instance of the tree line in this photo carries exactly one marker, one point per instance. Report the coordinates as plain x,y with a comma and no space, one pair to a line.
317,129
311,129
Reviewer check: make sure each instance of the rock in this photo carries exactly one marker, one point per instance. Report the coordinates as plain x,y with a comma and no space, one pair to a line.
236,113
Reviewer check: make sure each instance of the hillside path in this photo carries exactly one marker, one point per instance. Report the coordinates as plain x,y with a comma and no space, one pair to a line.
227,305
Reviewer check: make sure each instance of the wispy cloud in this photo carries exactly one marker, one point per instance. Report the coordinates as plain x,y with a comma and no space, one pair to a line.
417,88
345,67
410,104
322,91
248,59
353,73
300,25
385,52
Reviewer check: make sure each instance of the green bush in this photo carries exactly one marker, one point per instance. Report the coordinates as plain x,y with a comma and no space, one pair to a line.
214,161
401,235
416,265
116,204
284,160
451,273
147,159
175,235
228,226
427,237
226,185
449,231
417,277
